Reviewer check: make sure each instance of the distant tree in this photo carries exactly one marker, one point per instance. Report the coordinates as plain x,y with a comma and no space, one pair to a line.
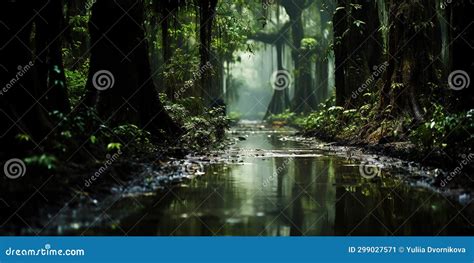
280,99
304,99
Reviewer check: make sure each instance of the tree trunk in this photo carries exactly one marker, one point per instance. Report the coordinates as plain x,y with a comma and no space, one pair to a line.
120,84
207,11
49,30
340,52
22,89
411,56
322,61
358,49
462,39
304,99
280,100
166,15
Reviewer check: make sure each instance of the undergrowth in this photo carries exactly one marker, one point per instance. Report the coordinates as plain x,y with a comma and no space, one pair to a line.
451,133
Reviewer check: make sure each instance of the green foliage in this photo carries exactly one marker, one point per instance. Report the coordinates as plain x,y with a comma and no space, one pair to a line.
287,118
309,43
82,128
114,146
46,161
233,27
136,140
206,131
23,137
72,128
450,132
179,70
234,117
334,122
325,121
76,79
205,128
76,68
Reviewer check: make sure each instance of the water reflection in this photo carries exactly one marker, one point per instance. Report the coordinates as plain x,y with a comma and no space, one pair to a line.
287,193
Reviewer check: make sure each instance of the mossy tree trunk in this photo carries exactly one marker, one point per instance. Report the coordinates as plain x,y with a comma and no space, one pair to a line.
413,66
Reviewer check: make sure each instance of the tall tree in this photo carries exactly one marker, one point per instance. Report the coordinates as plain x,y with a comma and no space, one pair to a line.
168,12
340,52
50,27
207,12
462,38
325,9
120,84
411,56
304,99
358,47
280,99
32,75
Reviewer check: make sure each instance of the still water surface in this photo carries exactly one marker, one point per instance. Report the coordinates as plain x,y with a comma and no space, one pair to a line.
272,185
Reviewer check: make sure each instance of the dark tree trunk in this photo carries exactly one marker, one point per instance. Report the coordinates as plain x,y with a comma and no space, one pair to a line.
207,11
322,61
122,60
340,52
358,49
21,87
462,39
364,44
322,79
411,56
167,11
49,30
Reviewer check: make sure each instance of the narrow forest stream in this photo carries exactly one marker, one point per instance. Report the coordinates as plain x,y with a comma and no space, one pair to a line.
273,183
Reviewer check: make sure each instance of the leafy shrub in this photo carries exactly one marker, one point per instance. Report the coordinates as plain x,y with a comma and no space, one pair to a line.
450,132
205,128
76,80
